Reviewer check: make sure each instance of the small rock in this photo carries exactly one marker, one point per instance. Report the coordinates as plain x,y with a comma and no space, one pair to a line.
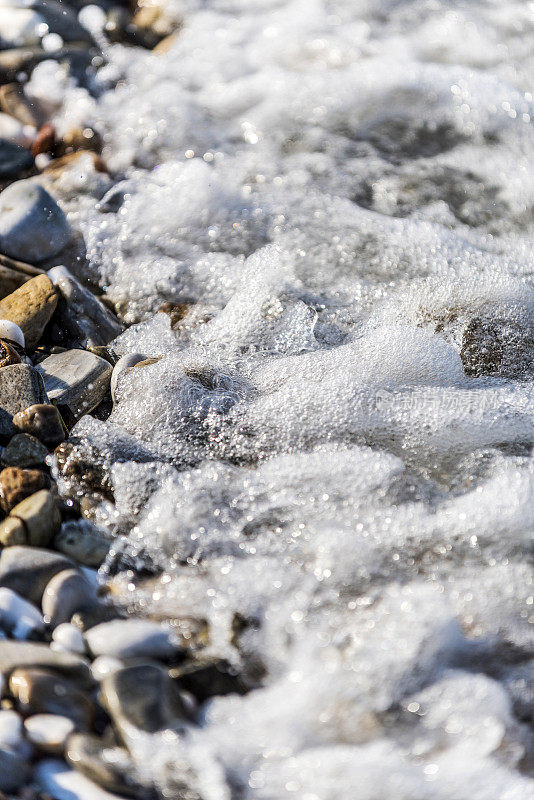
17,616
67,592
43,421
83,317
41,691
12,532
12,333
15,655
104,666
27,570
40,516
11,737
143,697
76,380
91,616
83,542
124,363
109,767
131,638
16,484
20,386
44,140
68,637
14,771
32,225
13,159
25,450
64,783
49,732
31,306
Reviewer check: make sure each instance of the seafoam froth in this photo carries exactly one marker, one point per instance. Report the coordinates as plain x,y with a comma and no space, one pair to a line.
334,451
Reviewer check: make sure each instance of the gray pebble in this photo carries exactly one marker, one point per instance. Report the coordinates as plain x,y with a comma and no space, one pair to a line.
14,655
13,159
24,450
27,570
76,379
20,386
67,592
14,771
32,225
121,366
109,767
83,542
40,691
131,638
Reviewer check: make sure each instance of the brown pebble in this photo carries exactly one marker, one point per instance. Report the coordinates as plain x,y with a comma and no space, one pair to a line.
43,422
12,532
41,517
31,308
16,484
45,140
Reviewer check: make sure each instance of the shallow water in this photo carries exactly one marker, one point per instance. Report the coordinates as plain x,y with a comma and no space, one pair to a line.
331,463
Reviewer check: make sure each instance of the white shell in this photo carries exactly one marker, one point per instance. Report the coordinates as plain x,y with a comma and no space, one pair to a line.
11,332
121,366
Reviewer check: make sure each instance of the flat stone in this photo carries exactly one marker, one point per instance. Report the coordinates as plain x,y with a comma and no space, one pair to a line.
20,386
83,542
40,691
17,616
64,783
143,698
67,592
27,570
83,317
15,655
109,767
43,422
25,450
13,159
49,732
31,307
40,516
14,771
76,379
32,225
131,638
17,484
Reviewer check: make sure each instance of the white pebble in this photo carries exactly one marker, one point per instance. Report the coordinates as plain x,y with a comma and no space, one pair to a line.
129,638
49,732
68,637
121,366
17,615
104,666
64,783
10,730
11,332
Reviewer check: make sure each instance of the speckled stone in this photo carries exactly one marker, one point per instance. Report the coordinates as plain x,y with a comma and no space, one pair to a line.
16,484
21,386
83,542
25,451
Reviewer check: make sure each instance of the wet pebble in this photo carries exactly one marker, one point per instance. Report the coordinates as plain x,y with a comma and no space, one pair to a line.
76,380
27,570
25,450
131,638
143,698
30,306
69,638
17,616
103,666
33,521
41,691
20,386
67,593
15,655
49,732
43,422
32,225
83,542
109,767
16,484
121,366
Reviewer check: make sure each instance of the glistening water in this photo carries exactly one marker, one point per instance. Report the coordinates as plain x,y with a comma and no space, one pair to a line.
332,462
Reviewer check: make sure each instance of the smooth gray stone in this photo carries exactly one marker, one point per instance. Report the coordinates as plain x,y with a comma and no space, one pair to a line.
83,317
131,638
14,771
20,386
67,593
28,570
13,159
83,542
143,697
15,655
76,379
32,225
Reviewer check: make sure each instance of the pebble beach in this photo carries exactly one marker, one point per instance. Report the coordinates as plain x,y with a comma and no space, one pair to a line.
266,400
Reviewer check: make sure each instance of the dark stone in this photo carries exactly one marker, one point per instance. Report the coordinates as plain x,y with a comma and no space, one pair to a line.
27,570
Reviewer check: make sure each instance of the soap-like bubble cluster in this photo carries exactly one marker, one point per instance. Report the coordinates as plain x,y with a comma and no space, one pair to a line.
329,456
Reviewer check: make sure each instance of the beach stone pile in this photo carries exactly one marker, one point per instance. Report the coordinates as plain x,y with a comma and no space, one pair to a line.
80,683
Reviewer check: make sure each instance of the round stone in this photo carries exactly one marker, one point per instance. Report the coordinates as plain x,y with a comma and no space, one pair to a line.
32,225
